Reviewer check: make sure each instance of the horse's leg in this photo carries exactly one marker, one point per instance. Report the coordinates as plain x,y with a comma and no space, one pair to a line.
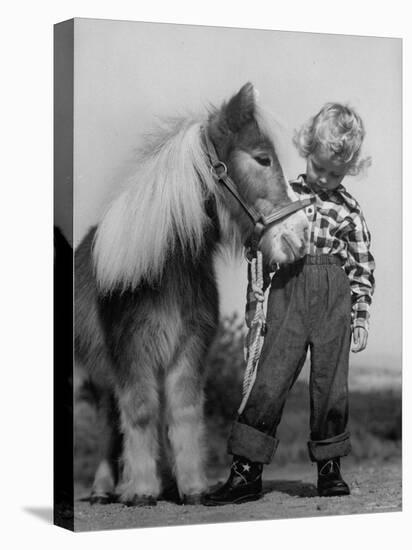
107,473
184,398
165,465
138,401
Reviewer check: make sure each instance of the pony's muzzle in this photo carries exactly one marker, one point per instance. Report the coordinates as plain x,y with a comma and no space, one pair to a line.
287,241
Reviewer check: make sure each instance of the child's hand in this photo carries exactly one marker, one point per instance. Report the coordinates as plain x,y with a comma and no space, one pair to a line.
360,339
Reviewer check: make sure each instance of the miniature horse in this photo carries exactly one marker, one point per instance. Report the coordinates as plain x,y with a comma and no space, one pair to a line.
146,299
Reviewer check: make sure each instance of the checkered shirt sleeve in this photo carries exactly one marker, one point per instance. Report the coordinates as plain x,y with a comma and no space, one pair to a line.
359,267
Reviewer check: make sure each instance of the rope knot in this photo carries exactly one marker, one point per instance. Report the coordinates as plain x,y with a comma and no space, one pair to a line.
259,294
257,329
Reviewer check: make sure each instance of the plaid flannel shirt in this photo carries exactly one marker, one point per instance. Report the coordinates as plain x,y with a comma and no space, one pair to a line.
337,227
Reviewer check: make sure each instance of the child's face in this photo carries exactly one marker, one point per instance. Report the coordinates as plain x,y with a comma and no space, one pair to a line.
323,172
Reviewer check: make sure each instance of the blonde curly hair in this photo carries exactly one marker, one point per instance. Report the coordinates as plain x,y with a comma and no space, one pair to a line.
337,129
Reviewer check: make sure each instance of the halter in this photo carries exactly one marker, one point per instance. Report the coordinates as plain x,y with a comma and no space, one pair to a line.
260,222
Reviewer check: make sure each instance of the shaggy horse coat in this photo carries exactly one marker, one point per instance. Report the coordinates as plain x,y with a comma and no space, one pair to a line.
146,300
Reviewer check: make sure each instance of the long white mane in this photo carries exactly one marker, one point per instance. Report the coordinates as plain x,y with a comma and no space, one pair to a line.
162,207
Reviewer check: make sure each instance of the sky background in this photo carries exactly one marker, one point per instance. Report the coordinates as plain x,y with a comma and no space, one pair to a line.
128,73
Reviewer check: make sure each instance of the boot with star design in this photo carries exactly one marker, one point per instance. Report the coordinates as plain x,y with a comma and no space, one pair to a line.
244,484
330,481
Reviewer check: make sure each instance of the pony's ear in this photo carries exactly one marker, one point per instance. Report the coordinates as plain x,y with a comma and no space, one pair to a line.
233,115
241,108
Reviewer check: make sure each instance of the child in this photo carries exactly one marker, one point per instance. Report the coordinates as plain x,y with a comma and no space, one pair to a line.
318,303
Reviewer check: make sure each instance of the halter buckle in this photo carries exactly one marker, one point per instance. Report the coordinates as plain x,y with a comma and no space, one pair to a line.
221,166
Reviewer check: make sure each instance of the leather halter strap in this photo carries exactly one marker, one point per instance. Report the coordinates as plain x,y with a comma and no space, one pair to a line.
260,221
219,172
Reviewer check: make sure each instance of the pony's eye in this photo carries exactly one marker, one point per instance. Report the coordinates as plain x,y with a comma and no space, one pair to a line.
263,160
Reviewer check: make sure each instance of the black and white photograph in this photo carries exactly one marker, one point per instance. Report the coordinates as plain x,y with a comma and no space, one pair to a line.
205,275
233,200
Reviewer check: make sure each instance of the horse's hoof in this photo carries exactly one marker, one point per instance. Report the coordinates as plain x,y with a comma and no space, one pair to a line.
192,500
141,501
102,498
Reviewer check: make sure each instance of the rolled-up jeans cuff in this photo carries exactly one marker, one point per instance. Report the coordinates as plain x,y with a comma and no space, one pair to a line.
336,446
251,443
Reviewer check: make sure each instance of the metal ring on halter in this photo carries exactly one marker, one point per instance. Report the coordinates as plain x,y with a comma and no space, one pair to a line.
218,164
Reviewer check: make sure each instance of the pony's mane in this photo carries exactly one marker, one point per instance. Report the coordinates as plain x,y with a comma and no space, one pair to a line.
161,208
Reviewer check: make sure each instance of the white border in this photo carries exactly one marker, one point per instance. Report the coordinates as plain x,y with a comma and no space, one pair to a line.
26,220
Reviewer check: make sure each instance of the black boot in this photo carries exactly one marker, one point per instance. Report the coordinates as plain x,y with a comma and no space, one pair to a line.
244,484
330,482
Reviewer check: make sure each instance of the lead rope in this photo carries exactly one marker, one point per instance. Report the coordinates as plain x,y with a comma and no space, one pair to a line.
256,334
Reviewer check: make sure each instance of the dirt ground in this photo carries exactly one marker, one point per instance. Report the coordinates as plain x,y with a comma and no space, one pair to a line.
288,493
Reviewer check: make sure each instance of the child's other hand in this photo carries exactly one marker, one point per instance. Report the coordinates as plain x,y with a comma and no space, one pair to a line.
360,339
